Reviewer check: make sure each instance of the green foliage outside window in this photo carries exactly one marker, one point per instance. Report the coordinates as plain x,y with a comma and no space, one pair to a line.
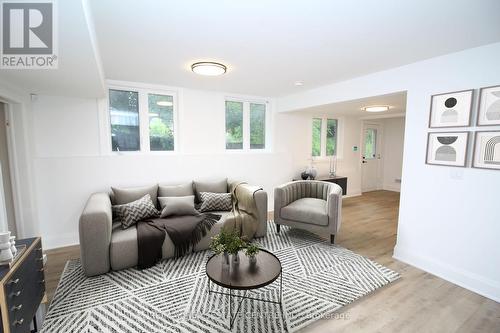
316,137
257,126
234,125
331,137
161,122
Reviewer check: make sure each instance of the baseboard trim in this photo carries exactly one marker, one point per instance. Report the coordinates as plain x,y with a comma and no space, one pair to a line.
64,240
351,195
390,187
468,280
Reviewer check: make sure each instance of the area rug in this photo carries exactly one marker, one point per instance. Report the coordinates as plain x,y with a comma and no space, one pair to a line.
318,280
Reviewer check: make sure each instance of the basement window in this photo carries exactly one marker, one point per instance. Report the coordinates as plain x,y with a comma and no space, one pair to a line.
246,125
142,120
324,137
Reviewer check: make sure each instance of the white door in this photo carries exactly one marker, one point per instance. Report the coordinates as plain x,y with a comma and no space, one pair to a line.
370,158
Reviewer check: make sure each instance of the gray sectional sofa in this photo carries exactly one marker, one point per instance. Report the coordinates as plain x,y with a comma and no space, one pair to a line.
106,246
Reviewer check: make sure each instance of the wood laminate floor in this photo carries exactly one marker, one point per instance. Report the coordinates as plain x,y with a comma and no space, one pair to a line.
418,302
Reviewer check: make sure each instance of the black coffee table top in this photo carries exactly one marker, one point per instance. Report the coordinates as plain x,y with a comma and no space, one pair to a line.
244,276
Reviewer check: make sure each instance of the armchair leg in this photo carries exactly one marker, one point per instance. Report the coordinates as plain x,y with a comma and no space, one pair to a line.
332,239
278,228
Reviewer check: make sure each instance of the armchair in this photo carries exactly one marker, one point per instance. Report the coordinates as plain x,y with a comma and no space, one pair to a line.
308,204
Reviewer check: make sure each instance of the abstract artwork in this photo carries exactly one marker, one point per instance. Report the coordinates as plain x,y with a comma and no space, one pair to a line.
487,150
451,109
489,106
447,148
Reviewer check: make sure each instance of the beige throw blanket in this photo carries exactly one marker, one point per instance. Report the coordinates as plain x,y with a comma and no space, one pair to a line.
244,217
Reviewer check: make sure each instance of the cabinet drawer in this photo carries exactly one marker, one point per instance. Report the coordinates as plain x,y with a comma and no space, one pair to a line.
24,290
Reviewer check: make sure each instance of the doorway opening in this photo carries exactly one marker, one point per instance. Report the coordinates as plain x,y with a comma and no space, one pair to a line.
7,207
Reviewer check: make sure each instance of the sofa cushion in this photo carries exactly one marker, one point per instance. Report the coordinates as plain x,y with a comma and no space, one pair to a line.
123,250
306,210
177,206
176,190
121,196
131,213
215,186
215,201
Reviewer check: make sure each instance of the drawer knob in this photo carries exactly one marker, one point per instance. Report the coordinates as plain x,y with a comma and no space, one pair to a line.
16,307
15,281
15,294
18,322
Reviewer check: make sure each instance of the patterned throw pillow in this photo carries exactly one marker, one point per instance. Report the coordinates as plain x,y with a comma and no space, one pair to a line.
131,213
211,201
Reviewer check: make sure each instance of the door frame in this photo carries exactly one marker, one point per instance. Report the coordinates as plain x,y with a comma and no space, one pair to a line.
379,152
13,165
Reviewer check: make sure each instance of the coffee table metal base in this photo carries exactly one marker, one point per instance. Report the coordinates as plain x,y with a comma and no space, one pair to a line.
231,295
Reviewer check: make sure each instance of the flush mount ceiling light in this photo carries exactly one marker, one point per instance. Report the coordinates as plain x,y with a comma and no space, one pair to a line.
299,83
208,68
164,103
376,108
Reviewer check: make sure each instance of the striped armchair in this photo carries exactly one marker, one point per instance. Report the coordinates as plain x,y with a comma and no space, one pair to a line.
308,204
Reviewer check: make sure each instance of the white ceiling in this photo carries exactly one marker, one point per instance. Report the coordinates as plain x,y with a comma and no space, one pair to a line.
78,73
396,103
267,45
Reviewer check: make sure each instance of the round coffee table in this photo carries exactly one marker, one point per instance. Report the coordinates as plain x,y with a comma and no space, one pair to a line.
244,276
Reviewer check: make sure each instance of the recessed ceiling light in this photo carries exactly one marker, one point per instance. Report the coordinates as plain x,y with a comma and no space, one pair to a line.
208,68
376,108
164,103
299,83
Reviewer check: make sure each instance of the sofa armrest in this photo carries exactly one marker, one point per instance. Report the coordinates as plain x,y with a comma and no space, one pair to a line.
95,228
261,204
279,202
334,207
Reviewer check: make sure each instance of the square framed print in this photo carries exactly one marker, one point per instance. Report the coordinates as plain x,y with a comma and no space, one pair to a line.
489,106
447,148
487,150
452,109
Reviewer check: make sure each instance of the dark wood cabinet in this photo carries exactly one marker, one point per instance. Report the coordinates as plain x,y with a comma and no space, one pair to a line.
339,180
22,288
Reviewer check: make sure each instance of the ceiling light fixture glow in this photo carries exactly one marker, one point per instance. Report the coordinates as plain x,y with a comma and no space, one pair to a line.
164,103
376,108
299,83
208,68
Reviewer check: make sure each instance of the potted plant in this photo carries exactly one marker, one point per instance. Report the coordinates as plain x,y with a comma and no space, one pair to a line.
251,251
227,243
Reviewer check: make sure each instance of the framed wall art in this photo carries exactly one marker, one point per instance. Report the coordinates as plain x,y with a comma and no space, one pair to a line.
451,109
448,148
487,150
489,106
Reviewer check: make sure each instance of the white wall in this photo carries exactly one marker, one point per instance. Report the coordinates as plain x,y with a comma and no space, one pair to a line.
69,166
393,145
449,217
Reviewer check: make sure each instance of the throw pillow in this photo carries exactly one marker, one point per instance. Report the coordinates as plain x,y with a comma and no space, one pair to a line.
131,213
175,190
211,201
123,196
216,186
177,206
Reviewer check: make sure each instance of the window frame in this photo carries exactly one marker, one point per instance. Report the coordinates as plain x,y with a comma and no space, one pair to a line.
143,92
246,124
323,137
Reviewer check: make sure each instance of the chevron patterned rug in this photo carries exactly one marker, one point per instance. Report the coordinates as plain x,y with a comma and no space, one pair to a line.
318,280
